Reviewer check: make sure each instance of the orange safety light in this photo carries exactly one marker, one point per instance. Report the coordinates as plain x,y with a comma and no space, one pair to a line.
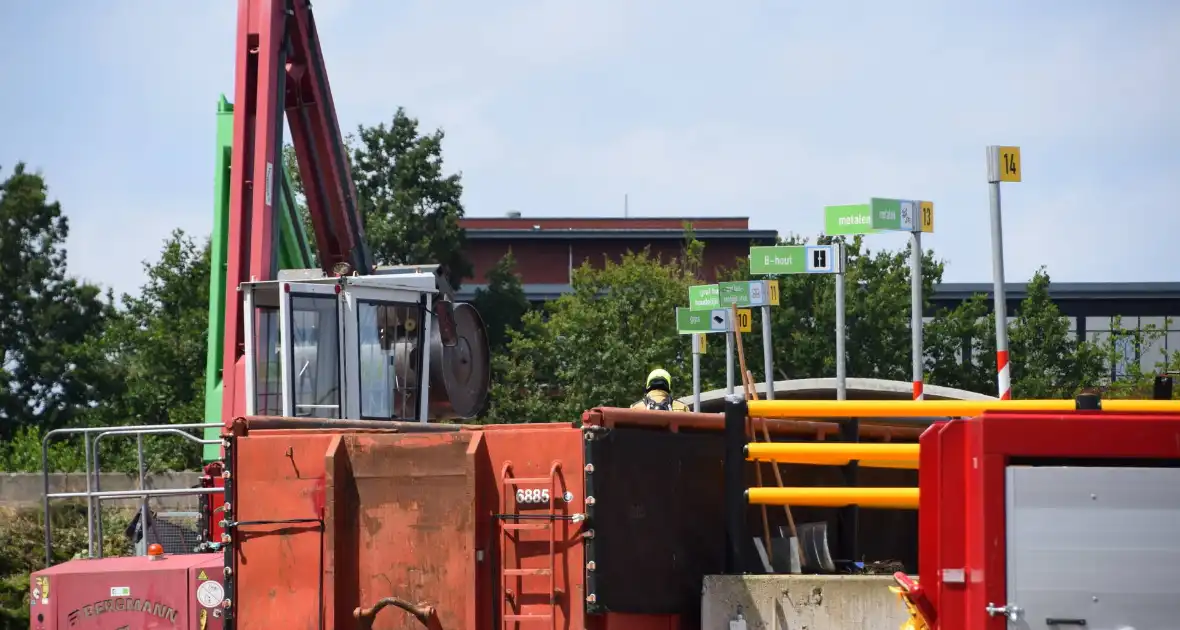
155,551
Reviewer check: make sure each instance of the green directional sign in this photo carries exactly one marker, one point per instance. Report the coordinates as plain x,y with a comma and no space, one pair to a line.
892,214
703,297
790,259
690,322
749,293
848,220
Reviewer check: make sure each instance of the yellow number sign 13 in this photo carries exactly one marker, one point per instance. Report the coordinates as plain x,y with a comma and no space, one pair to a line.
926,216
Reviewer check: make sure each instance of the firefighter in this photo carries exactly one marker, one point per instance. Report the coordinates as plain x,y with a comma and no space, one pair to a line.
657,393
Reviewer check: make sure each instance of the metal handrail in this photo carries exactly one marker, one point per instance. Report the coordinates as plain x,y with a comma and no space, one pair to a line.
138,432
86,431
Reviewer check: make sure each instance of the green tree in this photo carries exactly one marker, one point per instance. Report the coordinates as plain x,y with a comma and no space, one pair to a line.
1120,356
595,345
410,207
49,374
160,345
877,316
291,165
502,304
1045,360
155,348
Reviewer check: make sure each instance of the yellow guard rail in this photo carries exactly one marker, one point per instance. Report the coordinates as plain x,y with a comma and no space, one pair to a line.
786,409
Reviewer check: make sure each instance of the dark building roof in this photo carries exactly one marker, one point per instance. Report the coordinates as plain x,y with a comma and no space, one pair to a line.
619,234
959,291
1076,298
629,228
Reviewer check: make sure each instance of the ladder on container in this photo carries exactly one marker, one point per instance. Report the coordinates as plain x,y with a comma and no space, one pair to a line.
512,521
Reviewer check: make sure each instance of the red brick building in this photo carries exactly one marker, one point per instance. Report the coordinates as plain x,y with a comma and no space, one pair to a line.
547,250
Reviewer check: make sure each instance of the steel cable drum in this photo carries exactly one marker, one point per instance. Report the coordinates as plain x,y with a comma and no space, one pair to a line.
461,370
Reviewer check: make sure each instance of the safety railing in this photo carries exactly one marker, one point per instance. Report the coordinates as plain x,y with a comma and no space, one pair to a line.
739,449
943,408
94,495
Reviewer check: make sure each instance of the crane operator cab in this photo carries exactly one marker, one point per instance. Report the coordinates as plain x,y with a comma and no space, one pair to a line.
356,347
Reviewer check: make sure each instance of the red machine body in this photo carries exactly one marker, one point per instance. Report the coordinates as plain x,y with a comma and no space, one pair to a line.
962,514
171,591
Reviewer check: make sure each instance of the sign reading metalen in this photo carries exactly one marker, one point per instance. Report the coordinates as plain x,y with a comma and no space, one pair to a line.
123,604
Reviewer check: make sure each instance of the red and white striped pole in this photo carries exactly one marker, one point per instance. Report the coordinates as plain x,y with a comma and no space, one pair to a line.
1009,171
1005,375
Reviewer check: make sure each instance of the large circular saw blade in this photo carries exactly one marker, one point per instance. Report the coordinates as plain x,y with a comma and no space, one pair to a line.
465,367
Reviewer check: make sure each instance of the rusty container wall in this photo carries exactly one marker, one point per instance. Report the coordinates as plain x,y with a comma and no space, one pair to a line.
398,519
522,549
436,518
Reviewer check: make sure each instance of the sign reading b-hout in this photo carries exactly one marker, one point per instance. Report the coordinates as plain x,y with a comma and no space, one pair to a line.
794,259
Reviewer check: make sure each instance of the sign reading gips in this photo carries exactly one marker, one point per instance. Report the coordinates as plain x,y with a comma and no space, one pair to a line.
791,259
689,321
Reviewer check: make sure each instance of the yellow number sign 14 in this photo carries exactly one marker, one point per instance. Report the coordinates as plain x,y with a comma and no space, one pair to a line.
1009,164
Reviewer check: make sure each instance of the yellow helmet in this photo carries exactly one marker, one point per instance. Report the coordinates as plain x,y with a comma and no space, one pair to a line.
659,374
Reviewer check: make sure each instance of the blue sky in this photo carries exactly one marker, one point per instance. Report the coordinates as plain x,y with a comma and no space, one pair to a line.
764,109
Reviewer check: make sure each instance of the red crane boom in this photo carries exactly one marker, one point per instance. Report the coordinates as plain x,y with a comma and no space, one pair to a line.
279,67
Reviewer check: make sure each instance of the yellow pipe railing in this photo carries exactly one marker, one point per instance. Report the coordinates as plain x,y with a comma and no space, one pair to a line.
836,461
888,498
784,451
787,409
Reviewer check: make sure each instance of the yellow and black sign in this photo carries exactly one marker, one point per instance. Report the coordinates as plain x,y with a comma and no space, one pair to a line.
772,290
1009,164
926,216
744,320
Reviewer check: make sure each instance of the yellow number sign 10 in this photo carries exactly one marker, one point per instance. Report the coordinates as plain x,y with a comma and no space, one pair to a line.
745,320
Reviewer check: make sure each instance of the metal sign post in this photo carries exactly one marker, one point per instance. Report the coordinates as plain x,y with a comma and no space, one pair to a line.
914,217
841,334
708,297
767,349
846,220
698,348
729,362
1003,165
698,322
796,259
755,293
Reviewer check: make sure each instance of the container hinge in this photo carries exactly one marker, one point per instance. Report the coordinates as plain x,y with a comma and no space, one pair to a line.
1011,611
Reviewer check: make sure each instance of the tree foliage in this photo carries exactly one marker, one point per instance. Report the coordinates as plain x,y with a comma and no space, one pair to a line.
47,372
153,349
503,303
592,346
411,208
73,356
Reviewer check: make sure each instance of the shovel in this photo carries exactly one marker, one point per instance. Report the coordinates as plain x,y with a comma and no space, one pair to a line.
813,539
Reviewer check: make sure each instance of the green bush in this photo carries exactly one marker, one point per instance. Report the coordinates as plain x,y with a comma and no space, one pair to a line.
22,551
